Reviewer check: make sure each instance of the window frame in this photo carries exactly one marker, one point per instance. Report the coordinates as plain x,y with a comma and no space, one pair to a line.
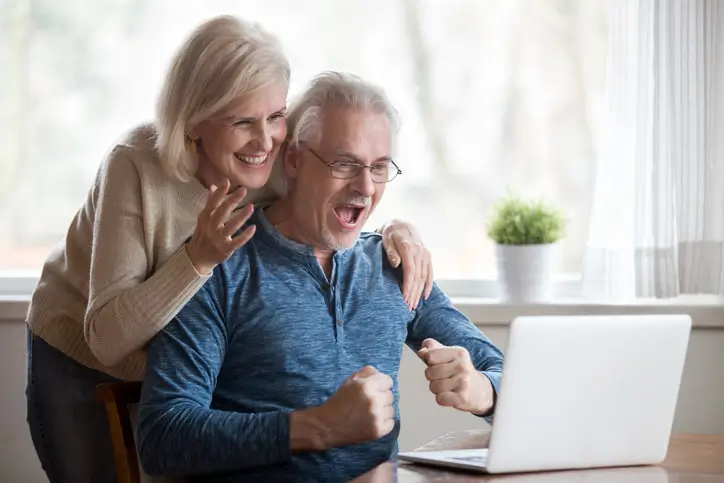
21,283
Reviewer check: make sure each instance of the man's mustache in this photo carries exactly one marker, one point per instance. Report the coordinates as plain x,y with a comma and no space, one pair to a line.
356,200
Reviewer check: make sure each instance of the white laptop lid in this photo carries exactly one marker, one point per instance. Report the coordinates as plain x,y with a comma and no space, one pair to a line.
588,391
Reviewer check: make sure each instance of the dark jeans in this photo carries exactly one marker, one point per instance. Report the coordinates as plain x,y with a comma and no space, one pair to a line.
68,425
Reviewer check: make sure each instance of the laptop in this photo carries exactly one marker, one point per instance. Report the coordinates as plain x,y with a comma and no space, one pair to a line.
581,392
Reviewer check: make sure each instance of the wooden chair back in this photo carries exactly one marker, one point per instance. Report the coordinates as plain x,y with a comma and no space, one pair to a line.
116,397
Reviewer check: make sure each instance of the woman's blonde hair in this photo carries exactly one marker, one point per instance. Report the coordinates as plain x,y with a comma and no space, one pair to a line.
223,59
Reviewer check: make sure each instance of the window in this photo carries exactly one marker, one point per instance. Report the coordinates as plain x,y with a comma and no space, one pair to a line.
493,95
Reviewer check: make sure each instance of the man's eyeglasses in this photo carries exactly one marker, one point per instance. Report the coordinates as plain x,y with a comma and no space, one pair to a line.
380,171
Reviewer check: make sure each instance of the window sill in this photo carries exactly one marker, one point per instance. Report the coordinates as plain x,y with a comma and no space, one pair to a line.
13,307
706,312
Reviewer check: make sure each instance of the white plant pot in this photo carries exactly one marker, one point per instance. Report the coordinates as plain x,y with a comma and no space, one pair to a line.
525,272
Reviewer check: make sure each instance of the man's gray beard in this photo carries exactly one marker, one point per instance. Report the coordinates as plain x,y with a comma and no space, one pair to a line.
332,243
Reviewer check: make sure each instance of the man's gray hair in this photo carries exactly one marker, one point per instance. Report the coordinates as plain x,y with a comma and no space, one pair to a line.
305,119
306,116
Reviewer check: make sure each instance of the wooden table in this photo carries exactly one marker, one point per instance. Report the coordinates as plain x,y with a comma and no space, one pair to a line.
692,458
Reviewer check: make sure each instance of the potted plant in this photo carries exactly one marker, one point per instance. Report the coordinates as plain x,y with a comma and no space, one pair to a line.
525,233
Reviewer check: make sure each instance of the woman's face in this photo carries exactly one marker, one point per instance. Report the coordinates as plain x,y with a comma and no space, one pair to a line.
242,142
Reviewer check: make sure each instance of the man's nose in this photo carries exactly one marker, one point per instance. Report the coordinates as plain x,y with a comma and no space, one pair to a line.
363,183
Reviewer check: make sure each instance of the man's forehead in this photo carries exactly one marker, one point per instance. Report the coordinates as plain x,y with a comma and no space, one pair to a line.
362,151
336,115
355,132
344,153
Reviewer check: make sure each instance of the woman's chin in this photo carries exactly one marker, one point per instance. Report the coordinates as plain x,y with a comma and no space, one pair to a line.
252,180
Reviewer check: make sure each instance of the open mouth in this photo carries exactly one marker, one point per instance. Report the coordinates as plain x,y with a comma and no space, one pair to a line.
348,215
252,160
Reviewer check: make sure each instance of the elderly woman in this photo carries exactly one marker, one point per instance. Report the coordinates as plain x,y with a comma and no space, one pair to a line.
161,214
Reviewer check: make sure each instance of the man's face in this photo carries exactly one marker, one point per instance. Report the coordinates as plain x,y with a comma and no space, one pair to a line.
330,212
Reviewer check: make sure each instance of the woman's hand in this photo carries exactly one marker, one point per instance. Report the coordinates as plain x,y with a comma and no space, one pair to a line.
403,245
213,240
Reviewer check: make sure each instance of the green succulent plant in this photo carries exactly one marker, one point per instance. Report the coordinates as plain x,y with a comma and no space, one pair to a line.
516,221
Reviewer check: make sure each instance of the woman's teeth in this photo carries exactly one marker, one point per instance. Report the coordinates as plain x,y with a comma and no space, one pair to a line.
251,159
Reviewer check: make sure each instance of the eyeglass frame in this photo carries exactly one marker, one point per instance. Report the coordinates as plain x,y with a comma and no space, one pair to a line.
360,166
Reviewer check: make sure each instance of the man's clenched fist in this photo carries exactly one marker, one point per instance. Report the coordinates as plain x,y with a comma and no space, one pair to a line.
454,380
361,410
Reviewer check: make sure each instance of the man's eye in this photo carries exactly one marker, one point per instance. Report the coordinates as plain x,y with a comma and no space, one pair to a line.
277,116
344,166
242,123
380,167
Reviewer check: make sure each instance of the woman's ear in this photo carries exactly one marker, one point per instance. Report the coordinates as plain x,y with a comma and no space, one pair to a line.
193,132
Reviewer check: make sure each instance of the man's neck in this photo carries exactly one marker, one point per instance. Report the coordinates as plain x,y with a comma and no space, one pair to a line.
281,216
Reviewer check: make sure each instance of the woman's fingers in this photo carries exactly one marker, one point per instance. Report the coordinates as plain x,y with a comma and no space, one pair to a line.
236,221
223,211
214,198
242,238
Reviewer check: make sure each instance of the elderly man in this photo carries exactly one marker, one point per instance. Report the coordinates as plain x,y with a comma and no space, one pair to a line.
284,366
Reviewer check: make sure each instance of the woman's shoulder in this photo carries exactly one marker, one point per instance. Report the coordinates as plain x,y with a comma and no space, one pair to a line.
137,147
139,143
133,167
142,136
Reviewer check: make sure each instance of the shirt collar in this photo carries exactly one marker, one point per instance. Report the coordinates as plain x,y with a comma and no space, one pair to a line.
275,237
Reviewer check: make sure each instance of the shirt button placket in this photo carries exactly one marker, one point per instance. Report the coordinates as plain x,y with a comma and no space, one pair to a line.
339,320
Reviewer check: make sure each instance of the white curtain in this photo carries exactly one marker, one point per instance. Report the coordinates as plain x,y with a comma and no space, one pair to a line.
657,224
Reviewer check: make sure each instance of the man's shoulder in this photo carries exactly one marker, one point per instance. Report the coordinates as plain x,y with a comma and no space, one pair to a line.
370,245
370,248
371,240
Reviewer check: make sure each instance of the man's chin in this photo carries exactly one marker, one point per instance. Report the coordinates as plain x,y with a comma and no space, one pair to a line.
347,239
